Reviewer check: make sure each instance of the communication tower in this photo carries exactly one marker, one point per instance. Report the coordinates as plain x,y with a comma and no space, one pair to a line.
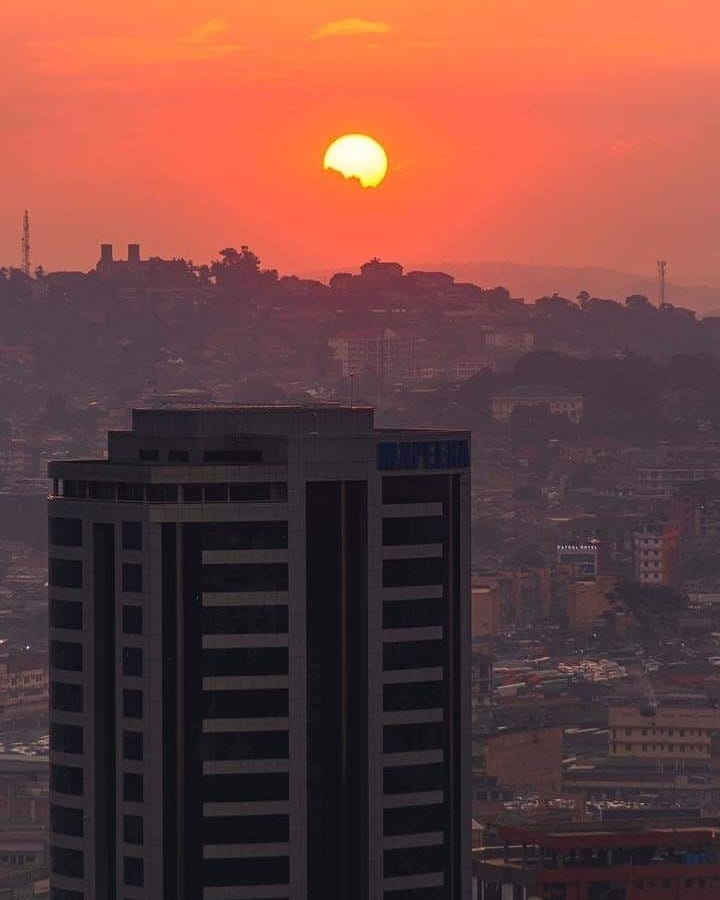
25,244
662,271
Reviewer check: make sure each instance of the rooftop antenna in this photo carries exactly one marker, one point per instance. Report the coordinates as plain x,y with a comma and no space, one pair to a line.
25,244
662,271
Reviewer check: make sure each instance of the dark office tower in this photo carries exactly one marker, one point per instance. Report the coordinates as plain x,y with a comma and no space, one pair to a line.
259,626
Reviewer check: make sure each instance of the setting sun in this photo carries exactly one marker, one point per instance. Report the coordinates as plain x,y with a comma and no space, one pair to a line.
357,156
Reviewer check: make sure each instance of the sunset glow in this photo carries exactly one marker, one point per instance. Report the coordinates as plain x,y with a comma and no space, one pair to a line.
575,133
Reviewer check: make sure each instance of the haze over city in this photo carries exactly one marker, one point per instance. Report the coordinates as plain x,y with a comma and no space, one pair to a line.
563,132
360,450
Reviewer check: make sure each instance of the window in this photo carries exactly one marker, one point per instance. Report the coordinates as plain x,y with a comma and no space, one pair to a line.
66,655
414,820
245,619
245,577
101,490
162,493
256,787
413,861
259,492
413,613
414,530
413,655
241,457
64,820
66,697
246,829
252,704
132,619
178,455
69,863
65,573
64,532
132,704
149,455
413,572
132,745
414,737
414,695
66,614
132,536
132,661
216,493
132,577
131,492
248,871
192,493
133,831
245,536
62,894
66,780
132,787
245,745
66,738
412,779
414,488
245,661
133,871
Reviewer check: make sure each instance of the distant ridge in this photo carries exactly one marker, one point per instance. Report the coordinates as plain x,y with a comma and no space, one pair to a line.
533,281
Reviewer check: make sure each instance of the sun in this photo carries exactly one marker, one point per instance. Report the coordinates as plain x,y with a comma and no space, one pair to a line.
358,156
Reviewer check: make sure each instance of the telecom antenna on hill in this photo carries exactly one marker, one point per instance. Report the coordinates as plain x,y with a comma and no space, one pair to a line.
25,243
662,271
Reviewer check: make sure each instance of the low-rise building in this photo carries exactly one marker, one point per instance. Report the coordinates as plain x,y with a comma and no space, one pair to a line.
555,399
662,732
605,862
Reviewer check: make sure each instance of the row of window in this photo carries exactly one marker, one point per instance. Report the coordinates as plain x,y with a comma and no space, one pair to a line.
132,492
235,455
68,573
68,614
67,656
68,532
681,732
670,748
71,864
233,745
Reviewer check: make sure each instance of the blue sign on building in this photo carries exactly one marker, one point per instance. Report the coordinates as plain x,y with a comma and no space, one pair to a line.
403,456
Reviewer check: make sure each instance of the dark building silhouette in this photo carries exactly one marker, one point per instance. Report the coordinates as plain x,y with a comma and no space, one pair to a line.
260,661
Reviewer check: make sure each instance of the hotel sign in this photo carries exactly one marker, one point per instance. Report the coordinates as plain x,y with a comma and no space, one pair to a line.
405,456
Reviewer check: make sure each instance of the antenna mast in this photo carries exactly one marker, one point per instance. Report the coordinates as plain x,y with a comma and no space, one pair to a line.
25,244
662,271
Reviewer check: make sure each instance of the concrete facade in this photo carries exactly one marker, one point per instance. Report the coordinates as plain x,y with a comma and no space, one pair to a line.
260,660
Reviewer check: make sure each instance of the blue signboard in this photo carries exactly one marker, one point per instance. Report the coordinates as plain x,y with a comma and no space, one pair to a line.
404,456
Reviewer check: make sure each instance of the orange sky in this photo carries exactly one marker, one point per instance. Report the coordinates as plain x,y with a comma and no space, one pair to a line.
578,132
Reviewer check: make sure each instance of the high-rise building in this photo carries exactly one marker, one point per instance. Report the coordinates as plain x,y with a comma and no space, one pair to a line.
260,660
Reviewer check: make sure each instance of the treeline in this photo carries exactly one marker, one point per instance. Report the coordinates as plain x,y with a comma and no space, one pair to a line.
628,396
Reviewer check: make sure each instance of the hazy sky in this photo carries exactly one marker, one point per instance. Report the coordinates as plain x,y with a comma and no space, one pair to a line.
565,131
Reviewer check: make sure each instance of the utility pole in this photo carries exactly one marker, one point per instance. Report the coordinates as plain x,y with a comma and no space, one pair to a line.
25,244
